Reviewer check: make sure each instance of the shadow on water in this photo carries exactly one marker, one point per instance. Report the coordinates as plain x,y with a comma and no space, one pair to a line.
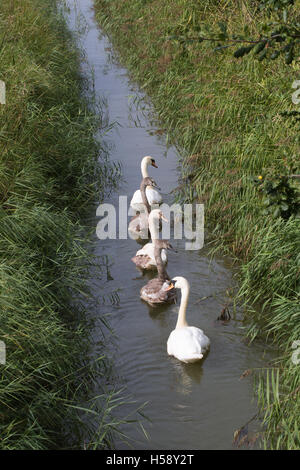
190,406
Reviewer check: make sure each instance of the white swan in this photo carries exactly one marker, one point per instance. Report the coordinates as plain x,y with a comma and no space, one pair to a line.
186,343
145,257
152,194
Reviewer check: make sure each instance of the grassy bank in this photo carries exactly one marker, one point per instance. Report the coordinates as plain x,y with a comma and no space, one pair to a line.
50,173
225,116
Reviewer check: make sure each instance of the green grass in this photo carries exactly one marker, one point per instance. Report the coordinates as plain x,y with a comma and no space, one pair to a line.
51,170
225,117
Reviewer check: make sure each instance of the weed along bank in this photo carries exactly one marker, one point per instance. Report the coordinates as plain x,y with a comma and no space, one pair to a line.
52,169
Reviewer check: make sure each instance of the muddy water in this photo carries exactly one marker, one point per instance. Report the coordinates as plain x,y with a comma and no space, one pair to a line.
194,406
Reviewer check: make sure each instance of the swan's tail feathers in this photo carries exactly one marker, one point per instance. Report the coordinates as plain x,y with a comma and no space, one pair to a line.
194,357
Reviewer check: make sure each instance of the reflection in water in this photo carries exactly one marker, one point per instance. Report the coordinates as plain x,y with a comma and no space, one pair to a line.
158,314
187,375
191,406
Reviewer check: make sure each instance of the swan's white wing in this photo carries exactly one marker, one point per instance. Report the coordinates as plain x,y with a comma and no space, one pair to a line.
148,250
188,344
164,256
136,198
153,197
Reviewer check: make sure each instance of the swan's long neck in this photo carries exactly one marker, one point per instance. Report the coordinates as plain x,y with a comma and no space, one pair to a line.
144,198
144,168
162,273
185,292
153,227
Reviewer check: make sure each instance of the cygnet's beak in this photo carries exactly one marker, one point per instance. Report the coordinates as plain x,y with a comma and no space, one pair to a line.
171,286
172,248
154,184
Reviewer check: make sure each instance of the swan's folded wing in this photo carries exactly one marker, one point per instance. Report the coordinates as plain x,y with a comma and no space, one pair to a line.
155,291
147,250
142,262
187,344
200,338
136,198
153,197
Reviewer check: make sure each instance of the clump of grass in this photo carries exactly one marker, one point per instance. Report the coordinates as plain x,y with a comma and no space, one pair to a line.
51,169
277,261
227,118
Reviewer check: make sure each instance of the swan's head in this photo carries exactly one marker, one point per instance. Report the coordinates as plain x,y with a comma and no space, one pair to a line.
149,161
148,182
179,283
164,244
157,214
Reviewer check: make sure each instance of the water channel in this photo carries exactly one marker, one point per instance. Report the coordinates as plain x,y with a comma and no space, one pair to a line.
196,406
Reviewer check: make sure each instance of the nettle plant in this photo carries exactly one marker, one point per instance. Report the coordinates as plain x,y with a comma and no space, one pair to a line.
277,31
278,34
280,195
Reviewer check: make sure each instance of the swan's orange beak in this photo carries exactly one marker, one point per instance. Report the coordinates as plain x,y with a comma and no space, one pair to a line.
171,286
154,164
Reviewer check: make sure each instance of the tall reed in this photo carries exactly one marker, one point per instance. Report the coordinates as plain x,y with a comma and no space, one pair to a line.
51,170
